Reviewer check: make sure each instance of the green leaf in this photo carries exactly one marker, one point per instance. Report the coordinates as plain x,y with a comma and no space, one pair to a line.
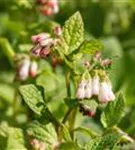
12,137
73,31
71,103
33,97
91,104
69,146
91,46
114,112
45,133
105,142
7,49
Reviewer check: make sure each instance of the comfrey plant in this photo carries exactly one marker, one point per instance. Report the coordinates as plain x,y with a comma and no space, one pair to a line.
87,89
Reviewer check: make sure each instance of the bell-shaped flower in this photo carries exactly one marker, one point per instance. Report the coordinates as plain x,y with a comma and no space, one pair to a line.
88,93
23,70
80,94
105,93
33,69
95,85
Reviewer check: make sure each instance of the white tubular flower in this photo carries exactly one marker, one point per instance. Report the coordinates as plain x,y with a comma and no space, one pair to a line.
88,93
105,93
95,85
33,69
80,94
24,69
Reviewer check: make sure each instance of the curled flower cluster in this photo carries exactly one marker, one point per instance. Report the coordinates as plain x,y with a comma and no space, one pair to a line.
49,7
26,68
93,87
43,43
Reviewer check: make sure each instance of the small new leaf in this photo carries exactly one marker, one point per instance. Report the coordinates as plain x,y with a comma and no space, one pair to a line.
73,32
114,112
91,46
33,97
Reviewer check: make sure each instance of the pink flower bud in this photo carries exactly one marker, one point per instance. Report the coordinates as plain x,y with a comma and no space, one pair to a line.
105,93
45,52
35,143
36,50
88,89
58,31
95,85
40,37
48,11
80,94
33,69
23,71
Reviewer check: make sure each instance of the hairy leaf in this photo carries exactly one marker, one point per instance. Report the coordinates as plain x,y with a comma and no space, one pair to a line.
73,32
91,46
105,142
45,133
32,95
114,112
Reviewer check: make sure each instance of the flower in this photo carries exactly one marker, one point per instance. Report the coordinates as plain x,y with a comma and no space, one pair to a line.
23,70
40,37
105,93
38,145
95,85
49,7
88,93
42,45
80,94
33,69
57,31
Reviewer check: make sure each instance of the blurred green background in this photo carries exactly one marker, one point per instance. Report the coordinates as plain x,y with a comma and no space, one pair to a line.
111,21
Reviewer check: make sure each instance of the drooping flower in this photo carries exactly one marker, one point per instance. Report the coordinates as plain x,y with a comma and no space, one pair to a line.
95,85
105,93
88,91
23,69
33,69
80,94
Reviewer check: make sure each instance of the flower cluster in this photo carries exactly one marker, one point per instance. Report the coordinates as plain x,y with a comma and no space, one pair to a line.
26,68
49,7
43,43
95,87
95,83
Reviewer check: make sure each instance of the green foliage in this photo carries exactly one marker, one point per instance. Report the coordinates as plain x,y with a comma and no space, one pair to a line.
11,138
73,31
91,46
33,97
45,133
114,112
107,141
